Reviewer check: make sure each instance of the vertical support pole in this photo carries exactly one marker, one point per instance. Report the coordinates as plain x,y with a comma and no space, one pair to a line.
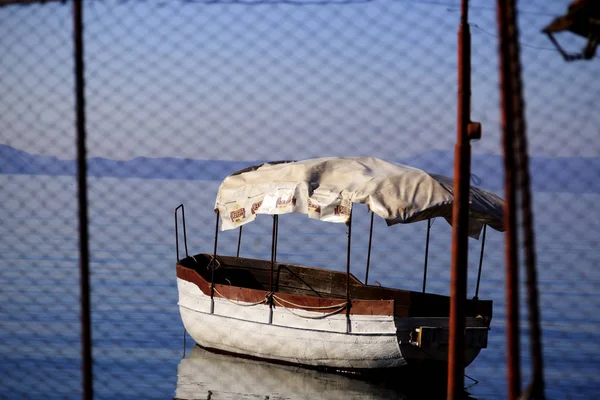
460,213
535,331
176,236
273,250
273,258
276,236
348,305
480,263
426,254
177,232
214,262
369,251
517,170
184,232
237,254
84,255
506,25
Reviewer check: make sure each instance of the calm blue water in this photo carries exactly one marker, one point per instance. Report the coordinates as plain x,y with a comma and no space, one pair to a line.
137,332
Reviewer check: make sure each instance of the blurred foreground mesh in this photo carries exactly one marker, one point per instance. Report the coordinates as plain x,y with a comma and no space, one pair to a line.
181,93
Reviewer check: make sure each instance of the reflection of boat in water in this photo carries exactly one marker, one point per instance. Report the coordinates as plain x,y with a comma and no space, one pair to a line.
203,374
319,317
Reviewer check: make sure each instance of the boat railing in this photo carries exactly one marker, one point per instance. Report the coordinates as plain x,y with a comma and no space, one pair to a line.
177,231
273,262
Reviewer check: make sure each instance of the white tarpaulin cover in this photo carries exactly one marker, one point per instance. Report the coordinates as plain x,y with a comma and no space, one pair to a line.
325,188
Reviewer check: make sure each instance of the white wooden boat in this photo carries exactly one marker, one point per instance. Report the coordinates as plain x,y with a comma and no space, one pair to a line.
317,317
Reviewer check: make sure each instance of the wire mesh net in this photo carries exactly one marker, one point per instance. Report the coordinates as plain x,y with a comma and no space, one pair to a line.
179,94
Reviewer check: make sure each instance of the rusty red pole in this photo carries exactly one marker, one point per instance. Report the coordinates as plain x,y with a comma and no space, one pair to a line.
506,25
460,213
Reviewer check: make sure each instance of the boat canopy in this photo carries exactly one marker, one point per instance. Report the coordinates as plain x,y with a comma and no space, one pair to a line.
326,188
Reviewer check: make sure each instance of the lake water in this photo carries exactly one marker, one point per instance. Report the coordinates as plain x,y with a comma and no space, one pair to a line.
137,331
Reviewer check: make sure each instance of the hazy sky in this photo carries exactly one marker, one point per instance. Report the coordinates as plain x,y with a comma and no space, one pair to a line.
275,80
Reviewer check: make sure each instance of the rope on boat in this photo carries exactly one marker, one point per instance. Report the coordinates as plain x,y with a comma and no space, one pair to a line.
213,260
270,297
340,308
309,307
244,304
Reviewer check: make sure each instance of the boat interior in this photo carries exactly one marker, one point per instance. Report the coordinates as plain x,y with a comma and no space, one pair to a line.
324,283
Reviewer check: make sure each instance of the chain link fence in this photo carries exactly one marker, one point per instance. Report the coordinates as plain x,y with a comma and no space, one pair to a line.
179,94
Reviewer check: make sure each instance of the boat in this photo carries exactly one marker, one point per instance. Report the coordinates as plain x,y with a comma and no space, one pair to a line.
326,318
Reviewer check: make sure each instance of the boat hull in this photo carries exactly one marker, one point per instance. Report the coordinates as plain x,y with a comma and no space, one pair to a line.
289,338
311,338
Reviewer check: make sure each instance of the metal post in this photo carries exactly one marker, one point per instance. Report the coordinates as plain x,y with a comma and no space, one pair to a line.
273,250
460,213
480,263
239,243
348,305
184,232
426,254
535,331
212,272
369,251
177,231
176,236
506,28
84,255
276,236
273,258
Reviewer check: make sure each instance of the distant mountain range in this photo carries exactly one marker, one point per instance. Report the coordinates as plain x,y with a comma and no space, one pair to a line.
14,161
558,174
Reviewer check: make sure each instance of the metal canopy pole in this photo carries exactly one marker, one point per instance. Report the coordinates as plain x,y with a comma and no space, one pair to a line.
348,327
426,254
273,250
214,261
239,243
273,258
369,251
276,236
177,231
480,263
